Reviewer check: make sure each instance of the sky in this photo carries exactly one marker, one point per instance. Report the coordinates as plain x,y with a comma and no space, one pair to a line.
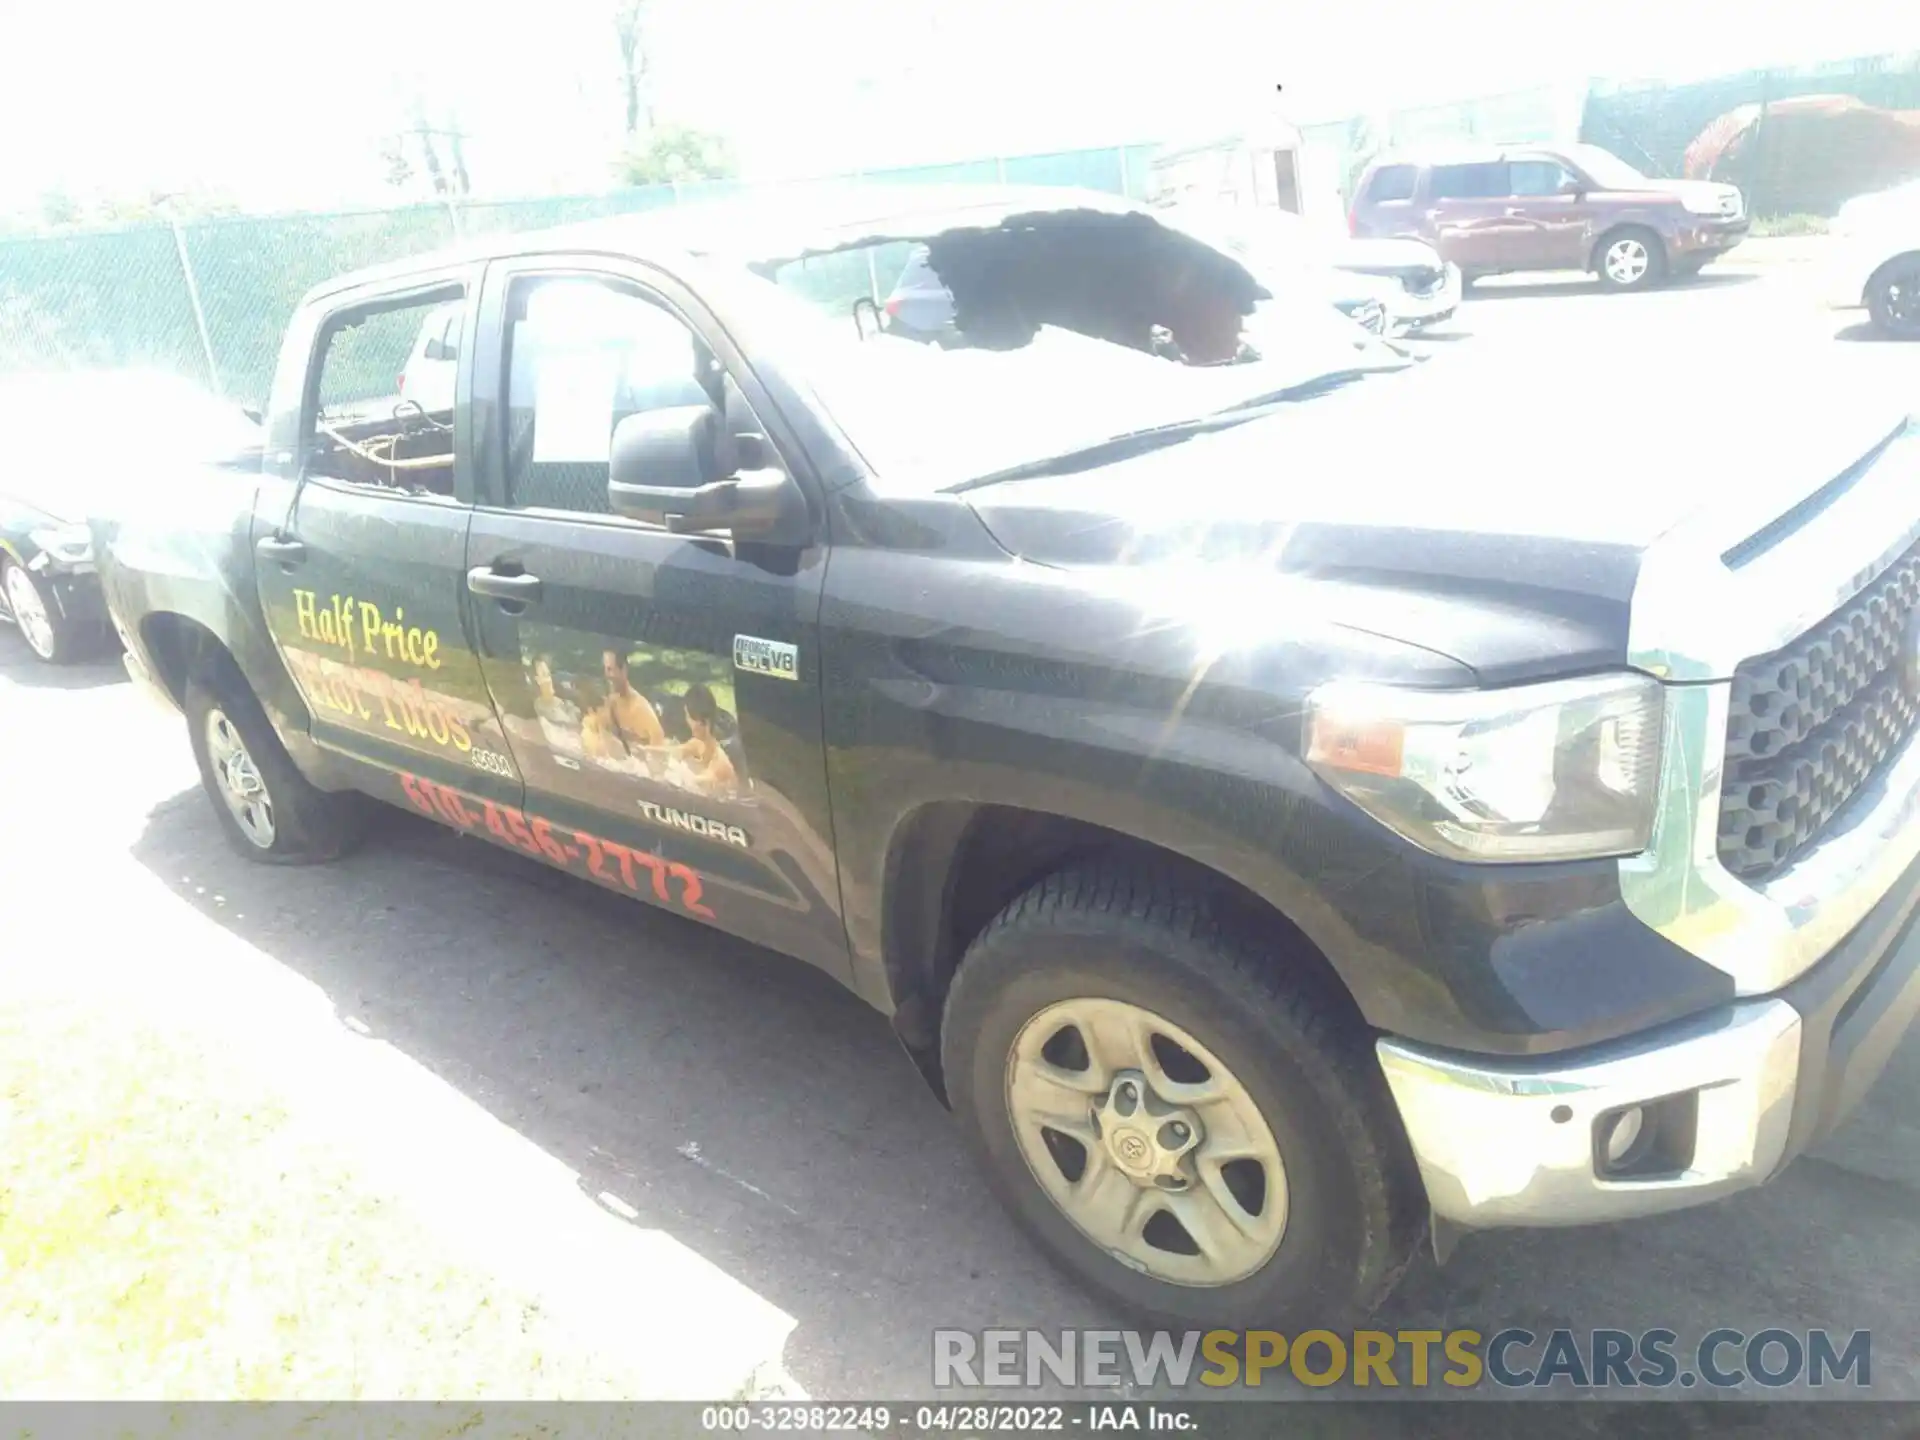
283,105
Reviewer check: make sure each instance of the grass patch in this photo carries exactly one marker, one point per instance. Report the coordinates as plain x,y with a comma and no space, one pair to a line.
170,1231
1783,227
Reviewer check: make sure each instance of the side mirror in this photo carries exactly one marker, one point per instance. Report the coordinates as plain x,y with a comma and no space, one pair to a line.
666,469
1576,189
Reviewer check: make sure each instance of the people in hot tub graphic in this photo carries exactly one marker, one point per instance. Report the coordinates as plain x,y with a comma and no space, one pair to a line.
710,769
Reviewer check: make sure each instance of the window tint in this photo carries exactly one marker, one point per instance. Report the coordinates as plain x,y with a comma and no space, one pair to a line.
373,427
1393,182
582,355
1470,182
1537,177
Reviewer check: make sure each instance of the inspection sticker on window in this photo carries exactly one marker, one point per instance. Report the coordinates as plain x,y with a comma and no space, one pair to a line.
766,657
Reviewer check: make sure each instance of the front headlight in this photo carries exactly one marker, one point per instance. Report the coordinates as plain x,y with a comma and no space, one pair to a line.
68,544
1559,771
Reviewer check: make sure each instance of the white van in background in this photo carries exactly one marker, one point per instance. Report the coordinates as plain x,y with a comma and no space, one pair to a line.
434,360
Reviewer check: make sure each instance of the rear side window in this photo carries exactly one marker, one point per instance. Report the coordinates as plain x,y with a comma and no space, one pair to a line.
1392,182
370,426
1470,182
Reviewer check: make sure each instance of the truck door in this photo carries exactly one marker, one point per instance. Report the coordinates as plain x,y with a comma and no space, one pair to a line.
661,692
1468,214
360,539
1554,229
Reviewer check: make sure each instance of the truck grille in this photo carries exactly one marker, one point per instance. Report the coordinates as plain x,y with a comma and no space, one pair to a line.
1811,723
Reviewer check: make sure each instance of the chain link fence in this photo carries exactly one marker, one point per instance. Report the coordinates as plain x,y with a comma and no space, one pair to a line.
1799,142
210,298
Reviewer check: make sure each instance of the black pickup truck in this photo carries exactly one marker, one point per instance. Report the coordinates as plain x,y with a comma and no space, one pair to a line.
1290,802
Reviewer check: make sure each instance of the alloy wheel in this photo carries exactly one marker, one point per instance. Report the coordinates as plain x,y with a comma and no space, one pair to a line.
30,612
1146,1142
1627,261
239,781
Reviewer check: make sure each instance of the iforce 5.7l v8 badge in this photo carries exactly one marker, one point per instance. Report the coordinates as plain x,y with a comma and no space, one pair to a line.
766,657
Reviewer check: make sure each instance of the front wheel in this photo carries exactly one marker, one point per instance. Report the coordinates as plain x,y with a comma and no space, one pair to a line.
1182,1125
42,623
1893,298
1631,259
267,809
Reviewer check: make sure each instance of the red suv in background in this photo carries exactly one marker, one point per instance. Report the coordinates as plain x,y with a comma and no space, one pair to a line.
1550,207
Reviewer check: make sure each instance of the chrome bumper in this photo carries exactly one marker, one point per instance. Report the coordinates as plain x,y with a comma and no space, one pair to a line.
1824,957
1516,1143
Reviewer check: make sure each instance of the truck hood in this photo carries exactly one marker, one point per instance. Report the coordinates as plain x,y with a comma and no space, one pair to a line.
1474,511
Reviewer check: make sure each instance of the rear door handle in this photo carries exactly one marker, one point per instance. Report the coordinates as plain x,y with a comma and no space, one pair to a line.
1514,212
282,552
507,589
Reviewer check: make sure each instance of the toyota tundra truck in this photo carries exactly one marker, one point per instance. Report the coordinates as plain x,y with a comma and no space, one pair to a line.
1275,841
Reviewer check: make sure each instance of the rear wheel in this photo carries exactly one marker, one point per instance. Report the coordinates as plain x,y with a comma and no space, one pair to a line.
1184,1127
1631,259
268,810
1893,298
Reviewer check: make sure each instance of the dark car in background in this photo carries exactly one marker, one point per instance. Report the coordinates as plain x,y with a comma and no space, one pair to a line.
75,442
1493,211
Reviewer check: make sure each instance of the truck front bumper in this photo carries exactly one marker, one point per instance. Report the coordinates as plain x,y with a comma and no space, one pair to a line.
1722,1101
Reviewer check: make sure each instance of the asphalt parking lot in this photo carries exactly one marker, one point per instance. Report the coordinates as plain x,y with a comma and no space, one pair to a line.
762,1117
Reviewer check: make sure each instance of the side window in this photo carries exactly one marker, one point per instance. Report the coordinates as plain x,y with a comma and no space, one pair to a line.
1470,182
582,355
1536,177
370,426
1392,182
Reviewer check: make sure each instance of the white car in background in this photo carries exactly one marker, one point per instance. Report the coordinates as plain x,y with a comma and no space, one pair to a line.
1408,279
1876,259
434,360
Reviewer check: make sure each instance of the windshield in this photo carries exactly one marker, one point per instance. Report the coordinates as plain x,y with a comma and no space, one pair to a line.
977,350
1605,168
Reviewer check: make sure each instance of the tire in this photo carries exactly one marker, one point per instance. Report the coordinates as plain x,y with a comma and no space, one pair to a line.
1097,937
1893,298
304,825
49,634
1614,263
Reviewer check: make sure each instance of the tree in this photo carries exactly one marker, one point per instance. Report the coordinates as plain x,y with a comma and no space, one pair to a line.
666,153
630,27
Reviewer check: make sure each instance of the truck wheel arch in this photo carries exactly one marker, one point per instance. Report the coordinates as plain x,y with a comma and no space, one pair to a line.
953,865
182,647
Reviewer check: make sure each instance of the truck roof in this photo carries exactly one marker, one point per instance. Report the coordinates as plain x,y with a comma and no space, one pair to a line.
777,224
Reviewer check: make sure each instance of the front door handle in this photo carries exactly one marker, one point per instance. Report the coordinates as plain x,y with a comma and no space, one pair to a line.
507,589
1514,212
281,551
